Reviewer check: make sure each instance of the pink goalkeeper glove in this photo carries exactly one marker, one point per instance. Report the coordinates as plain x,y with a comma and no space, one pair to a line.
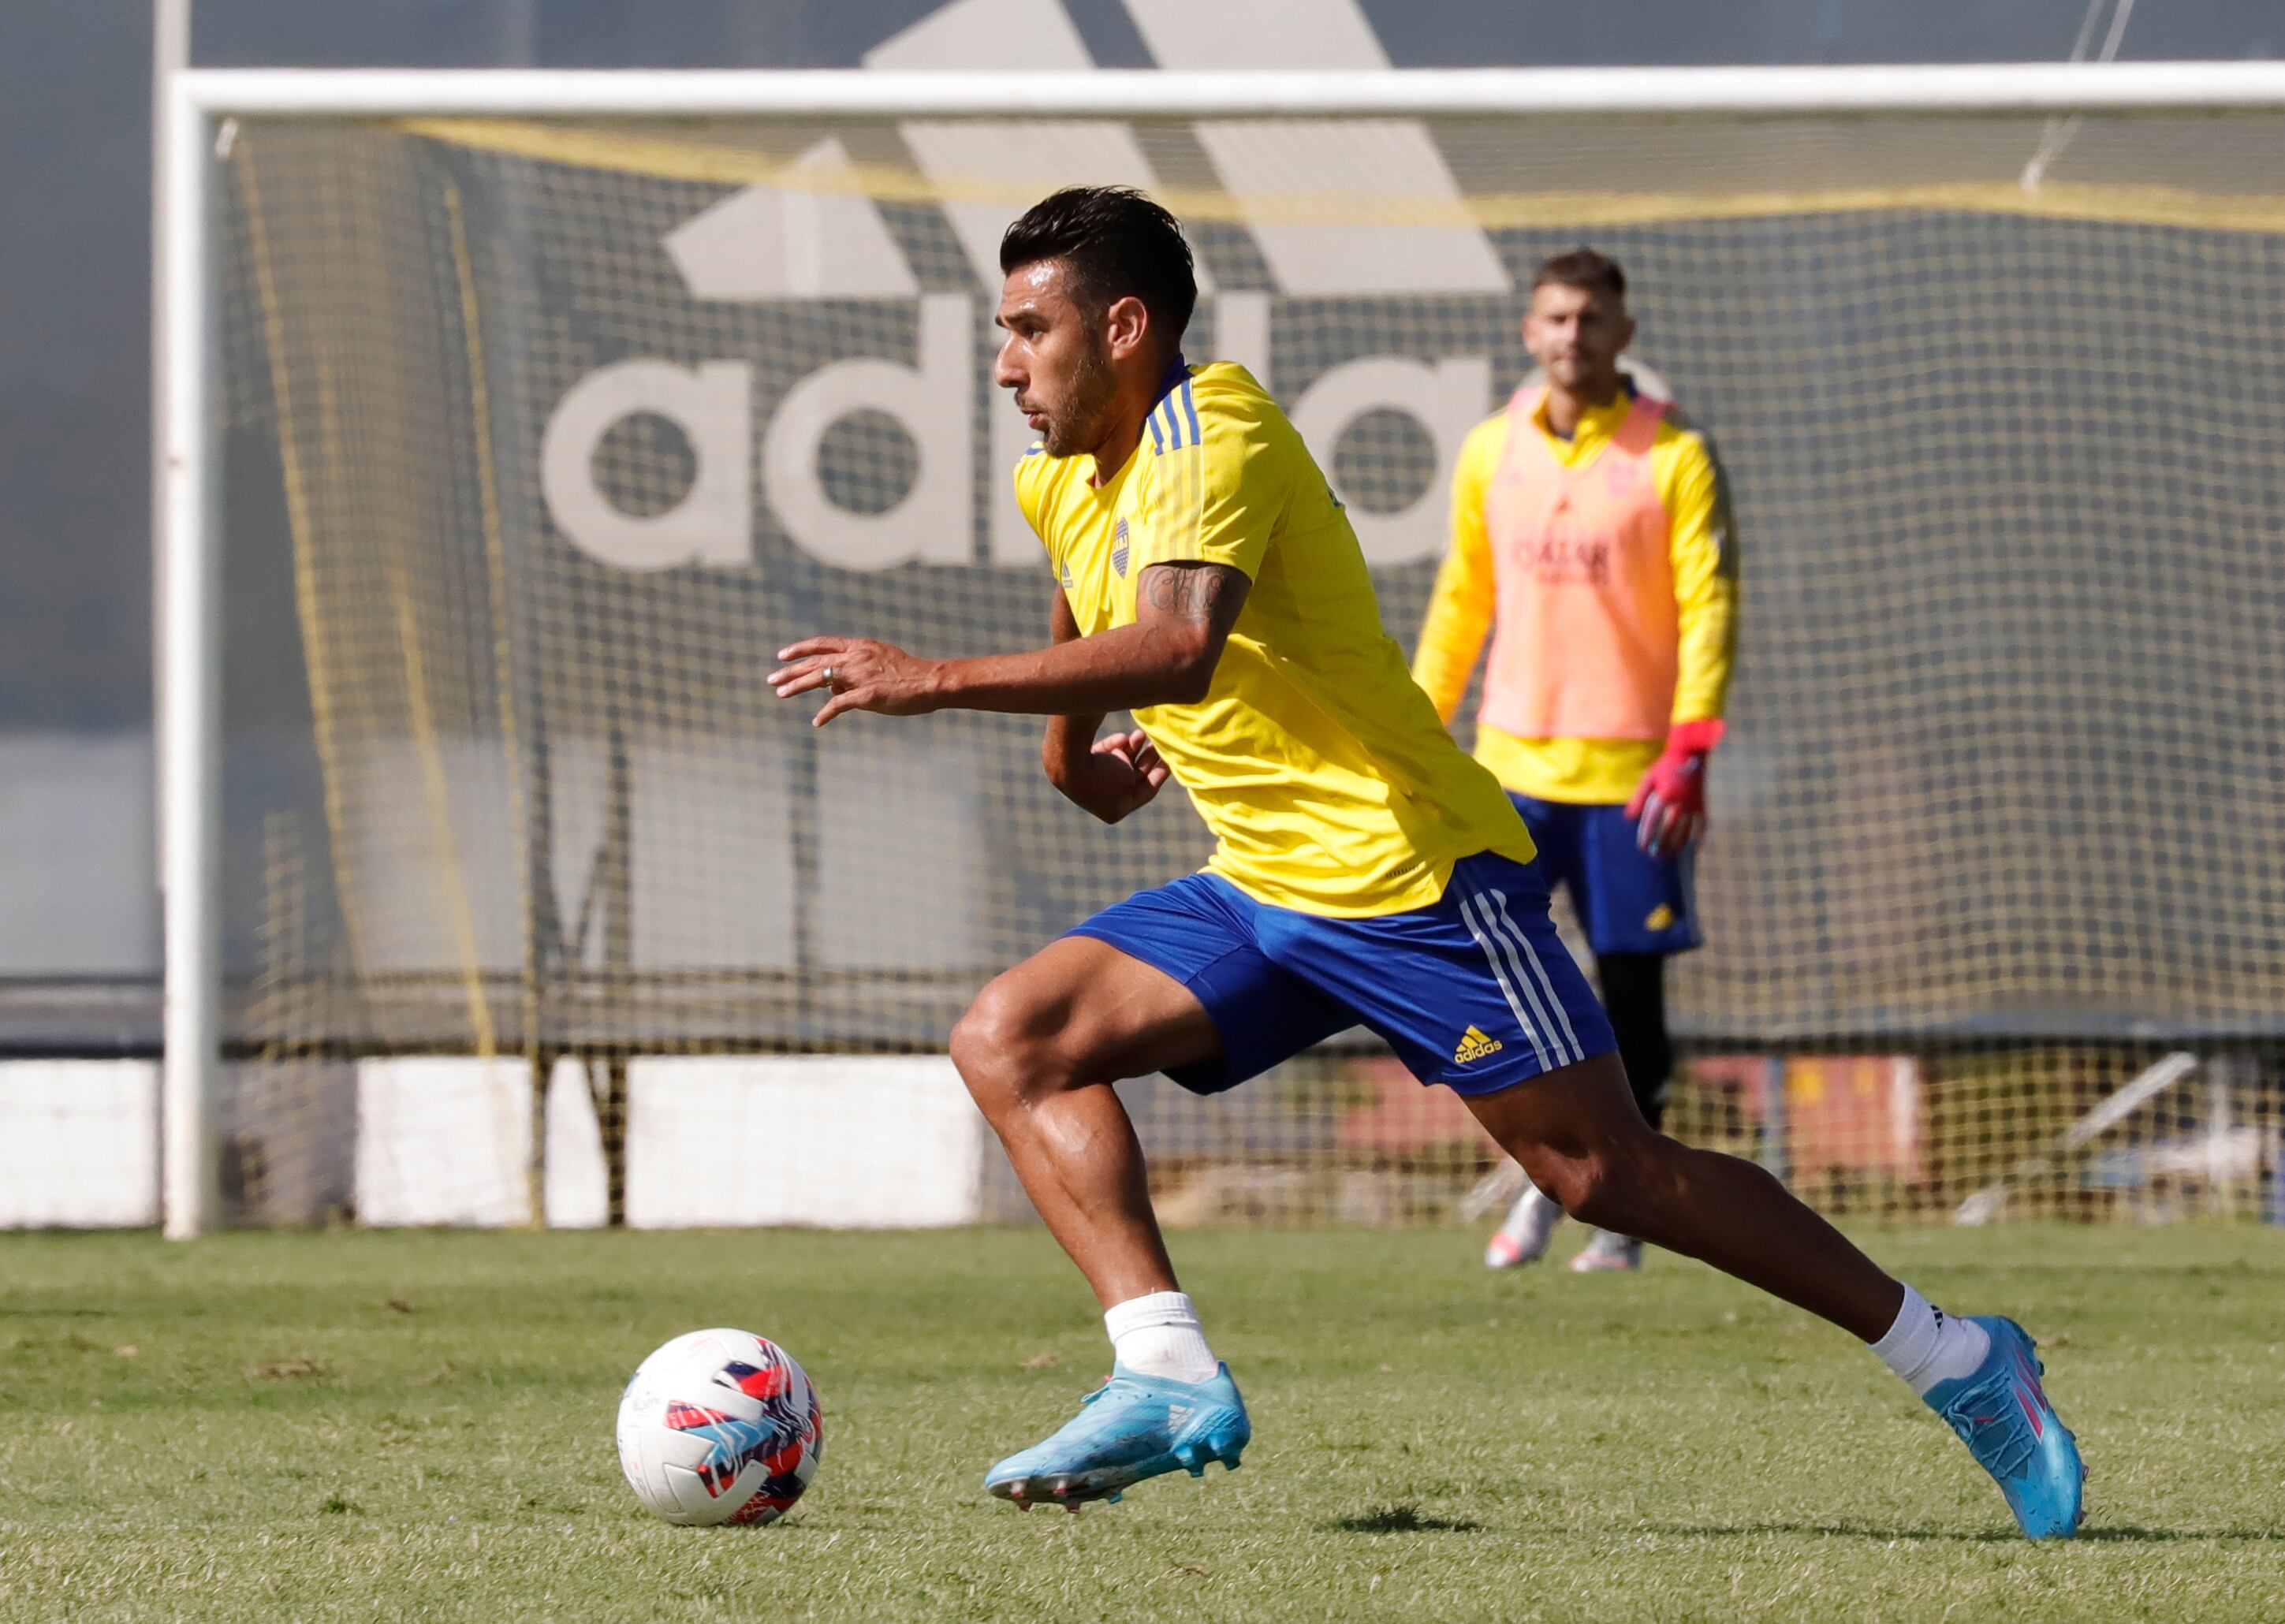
1670,805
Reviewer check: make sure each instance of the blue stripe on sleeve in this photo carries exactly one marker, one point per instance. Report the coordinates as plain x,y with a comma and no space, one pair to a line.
1157,440
1190,406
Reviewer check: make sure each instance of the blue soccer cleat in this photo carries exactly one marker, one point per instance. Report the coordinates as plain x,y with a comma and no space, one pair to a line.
1130,1428
2002,1415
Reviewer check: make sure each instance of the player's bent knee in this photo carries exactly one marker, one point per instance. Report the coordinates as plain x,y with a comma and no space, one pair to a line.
988,1045
1600,1196
1007,1048
1581,1185
1608,1187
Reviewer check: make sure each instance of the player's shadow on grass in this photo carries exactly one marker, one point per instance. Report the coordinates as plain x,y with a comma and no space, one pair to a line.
1401,1519
2125,1534
1844,1531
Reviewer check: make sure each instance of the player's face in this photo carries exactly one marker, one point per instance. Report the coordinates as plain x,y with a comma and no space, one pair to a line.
1056,357
1578,335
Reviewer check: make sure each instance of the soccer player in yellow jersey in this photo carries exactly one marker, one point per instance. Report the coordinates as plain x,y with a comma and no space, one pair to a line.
1590,526
1367,871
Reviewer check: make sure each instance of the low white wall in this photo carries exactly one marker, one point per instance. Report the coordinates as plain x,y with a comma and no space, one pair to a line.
79,1144
836,1142
443,1140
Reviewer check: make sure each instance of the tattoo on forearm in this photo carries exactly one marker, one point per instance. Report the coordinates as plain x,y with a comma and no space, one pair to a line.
1213,592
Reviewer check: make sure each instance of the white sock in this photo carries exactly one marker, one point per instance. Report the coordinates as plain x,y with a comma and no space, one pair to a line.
1927,1345
1159,1335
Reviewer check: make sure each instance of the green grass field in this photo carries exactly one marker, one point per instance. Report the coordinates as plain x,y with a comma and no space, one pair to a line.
419,1425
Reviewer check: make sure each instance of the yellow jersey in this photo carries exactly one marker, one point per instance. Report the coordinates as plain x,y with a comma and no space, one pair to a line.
1703,553
1329,783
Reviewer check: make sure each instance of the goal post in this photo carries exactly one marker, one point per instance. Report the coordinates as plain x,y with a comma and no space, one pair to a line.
190,692
444,424
1528,94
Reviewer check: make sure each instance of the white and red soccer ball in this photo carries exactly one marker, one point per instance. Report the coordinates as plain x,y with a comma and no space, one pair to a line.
720,1426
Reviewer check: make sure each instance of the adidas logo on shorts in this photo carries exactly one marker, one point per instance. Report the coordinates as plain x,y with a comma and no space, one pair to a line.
1474,1045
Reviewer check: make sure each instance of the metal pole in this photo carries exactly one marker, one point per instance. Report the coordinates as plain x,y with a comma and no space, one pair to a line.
170,53
1567,94
1776,1134
614,881
190,729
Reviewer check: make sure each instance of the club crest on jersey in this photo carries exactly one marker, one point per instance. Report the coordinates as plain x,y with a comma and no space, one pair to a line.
1118,549
1475,1043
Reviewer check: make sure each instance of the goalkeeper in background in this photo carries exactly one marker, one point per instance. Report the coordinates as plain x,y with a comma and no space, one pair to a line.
1591,540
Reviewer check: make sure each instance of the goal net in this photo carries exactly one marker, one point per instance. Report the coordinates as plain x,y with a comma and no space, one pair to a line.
544,433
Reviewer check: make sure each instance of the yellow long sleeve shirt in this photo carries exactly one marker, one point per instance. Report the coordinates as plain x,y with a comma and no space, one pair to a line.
1692,488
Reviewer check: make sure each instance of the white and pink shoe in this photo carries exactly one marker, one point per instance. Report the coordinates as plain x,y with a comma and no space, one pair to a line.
1607,1254
1523,1238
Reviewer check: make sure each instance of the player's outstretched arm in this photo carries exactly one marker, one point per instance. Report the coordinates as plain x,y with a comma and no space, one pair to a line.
1183,616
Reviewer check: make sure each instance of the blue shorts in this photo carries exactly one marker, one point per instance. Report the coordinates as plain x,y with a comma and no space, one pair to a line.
1477,993
1626,900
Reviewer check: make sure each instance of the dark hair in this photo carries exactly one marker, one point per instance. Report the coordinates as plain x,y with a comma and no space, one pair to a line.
1116,243
1583,269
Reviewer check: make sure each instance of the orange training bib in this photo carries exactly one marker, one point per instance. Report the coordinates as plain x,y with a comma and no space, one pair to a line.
1585,645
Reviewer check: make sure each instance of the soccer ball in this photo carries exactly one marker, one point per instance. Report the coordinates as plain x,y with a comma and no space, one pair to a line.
719,1426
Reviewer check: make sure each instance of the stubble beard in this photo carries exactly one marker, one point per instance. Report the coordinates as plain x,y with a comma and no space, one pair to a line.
1077,427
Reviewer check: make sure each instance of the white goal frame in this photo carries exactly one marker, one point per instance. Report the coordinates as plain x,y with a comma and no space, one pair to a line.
198,103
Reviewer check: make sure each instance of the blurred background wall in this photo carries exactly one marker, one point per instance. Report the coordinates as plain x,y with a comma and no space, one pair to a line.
78,907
